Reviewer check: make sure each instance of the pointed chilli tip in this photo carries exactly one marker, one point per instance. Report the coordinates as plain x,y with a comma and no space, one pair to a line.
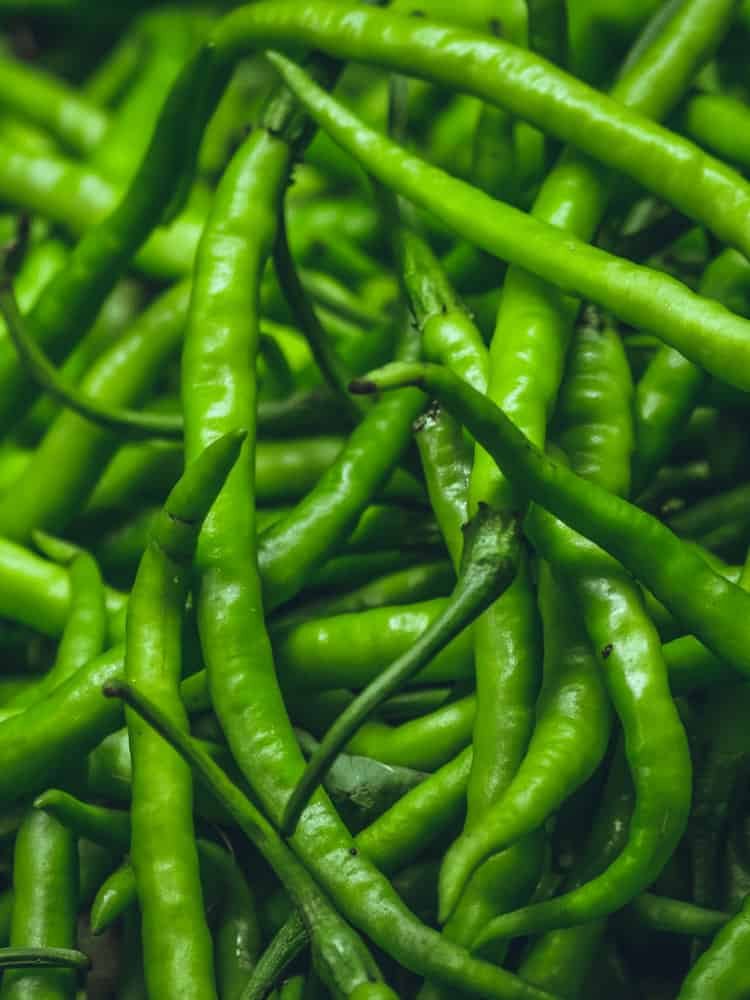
453,880
237,439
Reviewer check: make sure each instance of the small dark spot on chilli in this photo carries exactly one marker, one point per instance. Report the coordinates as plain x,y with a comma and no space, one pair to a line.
417,13
606,650
496,27
353,851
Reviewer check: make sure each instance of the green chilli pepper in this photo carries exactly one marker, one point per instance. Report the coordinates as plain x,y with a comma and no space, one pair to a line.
711,606
705,332
176,942
488,566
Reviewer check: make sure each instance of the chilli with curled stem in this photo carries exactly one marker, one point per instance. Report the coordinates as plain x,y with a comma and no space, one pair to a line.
134,423
489,564
706,604
340,955
307,319
701,329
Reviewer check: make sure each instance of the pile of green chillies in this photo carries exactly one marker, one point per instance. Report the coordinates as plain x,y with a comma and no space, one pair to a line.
375,500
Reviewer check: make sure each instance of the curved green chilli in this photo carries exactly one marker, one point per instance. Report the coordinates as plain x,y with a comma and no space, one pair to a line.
115,895
176,942
560,960
656,746
448,336
221,338
110,827
218,357
701,329
131,422
351,649
675,916
570,737
517,80
85,633
294,547
71,300
488,566
348,961
68,461
629,651
594,417
423,743
705,603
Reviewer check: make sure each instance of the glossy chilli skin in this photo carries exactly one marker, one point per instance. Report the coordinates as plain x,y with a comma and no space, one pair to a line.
374,500
72,299
44,906
163,847
595,419
714,606
219,394
653,301
495,70
489,564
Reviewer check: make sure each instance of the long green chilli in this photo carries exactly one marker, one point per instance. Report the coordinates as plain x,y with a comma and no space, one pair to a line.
708,605
701,329
489,564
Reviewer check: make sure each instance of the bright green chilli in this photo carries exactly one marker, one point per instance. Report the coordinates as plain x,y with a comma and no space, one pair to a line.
702,330
706,604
